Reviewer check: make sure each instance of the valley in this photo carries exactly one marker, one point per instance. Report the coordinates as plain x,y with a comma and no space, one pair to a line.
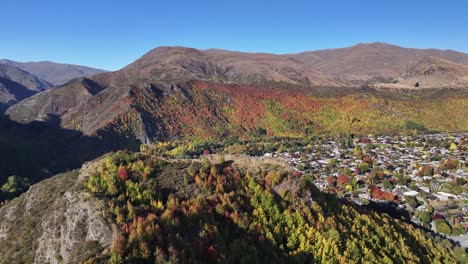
206,156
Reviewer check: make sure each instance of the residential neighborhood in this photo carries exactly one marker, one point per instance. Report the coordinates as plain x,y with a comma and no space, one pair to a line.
424,176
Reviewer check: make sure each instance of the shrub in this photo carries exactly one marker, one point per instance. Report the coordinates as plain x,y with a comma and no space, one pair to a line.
363,167
451,164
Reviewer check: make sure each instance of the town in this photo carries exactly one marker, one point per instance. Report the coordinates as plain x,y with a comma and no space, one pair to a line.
423,175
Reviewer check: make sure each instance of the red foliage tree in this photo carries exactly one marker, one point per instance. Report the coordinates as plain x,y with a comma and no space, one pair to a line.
377,193
343,179
123,173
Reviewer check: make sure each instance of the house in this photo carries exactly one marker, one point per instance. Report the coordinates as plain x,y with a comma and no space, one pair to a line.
411,193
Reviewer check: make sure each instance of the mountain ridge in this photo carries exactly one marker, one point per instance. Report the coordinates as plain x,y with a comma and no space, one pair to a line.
367,61
16,85
52,72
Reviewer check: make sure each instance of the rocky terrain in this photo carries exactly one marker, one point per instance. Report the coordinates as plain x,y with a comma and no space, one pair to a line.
55,221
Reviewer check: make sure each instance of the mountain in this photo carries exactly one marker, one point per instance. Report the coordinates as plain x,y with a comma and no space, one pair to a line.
431,72
437,72
175,92
96,101
372,61
178,64
54,73
16,84
140,208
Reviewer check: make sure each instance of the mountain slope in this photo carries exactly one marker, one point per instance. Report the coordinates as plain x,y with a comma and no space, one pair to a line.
430,72
437,72
16,84
139,208
54,73
365,62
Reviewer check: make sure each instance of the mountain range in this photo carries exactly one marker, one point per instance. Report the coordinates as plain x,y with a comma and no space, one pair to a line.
372,64
20,80
54,73
137,99
16,85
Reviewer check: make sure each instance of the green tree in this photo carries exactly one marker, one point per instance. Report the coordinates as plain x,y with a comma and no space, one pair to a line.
412,201
443,227
425,217
14,186
387,184
363,167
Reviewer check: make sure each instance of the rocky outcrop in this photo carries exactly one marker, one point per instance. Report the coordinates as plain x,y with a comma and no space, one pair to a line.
56,221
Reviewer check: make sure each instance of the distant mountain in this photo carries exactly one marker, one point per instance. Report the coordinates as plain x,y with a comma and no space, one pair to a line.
16,85
432,72
437,72
372,61
54,73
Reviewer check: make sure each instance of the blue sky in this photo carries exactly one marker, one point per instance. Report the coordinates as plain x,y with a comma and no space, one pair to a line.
111,34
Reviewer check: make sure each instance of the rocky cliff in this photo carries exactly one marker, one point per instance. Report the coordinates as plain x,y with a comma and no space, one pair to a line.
56,221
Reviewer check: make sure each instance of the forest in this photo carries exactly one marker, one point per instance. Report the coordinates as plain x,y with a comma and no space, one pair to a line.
217,210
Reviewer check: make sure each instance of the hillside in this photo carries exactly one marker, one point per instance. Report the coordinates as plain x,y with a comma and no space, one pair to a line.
129,207
54,73
436,72
209,110
16,84
372,61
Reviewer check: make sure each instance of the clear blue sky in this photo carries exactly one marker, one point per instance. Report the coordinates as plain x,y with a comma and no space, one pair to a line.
111,34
